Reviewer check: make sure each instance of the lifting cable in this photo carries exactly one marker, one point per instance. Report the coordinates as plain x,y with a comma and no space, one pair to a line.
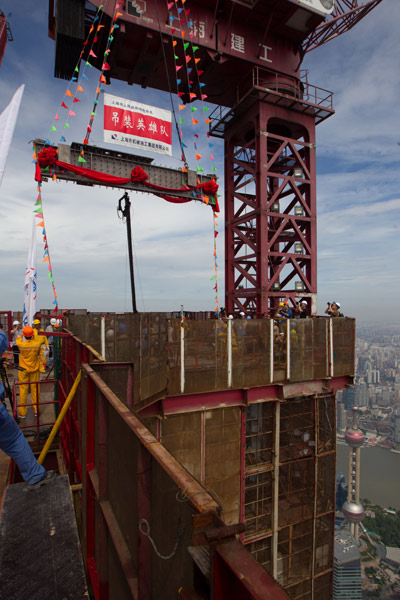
170,91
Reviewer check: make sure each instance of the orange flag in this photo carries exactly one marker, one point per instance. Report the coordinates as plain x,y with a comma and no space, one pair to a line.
68,93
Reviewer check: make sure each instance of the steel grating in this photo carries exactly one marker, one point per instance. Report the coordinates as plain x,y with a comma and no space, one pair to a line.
40,555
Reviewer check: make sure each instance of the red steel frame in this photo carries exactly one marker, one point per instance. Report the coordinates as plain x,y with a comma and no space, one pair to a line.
269,172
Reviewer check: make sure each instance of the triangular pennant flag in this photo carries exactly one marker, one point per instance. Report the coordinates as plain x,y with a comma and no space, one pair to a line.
62,139
188,59
174,42
181,120
204,96
66,126
197,60
79,88
198,156
71,113
211,156
46,259
181,106
91,53
194,121
208,121
64,105
76,100
199,169
53,128
41,224
81,159
192,95
56,117
186,45
102,79
193,108
68,93
178,82
178,67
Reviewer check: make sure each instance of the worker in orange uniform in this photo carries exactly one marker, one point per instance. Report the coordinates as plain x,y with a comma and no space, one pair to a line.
29,359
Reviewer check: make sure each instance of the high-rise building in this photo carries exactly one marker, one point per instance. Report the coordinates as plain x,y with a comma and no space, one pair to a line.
397,428
347,568
348,398
341,417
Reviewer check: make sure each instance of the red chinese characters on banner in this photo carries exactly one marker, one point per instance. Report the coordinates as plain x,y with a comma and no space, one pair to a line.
137,125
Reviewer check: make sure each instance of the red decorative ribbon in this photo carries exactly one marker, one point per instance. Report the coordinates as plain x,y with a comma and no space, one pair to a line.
48,158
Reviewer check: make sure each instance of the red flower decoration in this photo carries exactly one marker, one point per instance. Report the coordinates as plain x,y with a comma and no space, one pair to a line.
138,175
47,157
210,188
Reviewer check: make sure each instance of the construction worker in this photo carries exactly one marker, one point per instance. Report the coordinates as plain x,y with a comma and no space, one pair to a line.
29,359
44,350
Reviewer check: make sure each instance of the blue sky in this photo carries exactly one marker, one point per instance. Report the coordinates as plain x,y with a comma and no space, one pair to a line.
358,159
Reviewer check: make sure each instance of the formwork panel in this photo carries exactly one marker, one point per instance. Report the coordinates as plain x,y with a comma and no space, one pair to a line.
117,584
171,531
222,459
343,345
320,347
173,356
181,435
200,356
301,350
250,353
122,478
152,345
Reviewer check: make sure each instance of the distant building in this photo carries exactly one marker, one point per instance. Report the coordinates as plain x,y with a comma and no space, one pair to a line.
347,568
397,428
385,399
341,491
348,396
341,417
392,557
361,396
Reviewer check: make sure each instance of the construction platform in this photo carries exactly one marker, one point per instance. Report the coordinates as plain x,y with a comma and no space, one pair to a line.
40,556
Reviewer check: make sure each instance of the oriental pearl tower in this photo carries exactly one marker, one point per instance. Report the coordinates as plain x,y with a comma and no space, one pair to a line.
352,509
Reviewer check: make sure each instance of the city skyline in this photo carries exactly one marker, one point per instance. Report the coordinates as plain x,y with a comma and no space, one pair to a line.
358,201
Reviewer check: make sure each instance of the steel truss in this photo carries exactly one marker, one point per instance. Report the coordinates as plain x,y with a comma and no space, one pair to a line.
270,204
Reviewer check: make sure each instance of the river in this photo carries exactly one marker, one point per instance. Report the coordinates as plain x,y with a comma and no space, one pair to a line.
380,474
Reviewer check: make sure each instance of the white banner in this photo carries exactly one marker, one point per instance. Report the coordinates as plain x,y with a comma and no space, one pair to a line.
8,119
130,123
30,281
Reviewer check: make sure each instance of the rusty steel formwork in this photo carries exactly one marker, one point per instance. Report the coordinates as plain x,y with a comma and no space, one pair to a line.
238,414
149,529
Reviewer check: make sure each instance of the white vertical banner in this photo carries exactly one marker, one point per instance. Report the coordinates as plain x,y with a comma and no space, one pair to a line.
8,119
30,281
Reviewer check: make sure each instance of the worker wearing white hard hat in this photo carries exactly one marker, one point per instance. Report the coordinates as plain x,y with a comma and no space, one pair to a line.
15,332
333,309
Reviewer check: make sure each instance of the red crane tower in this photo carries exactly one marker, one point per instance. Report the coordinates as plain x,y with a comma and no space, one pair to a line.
251,52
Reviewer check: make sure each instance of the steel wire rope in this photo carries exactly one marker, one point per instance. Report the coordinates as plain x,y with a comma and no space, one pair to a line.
179,535
169,89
